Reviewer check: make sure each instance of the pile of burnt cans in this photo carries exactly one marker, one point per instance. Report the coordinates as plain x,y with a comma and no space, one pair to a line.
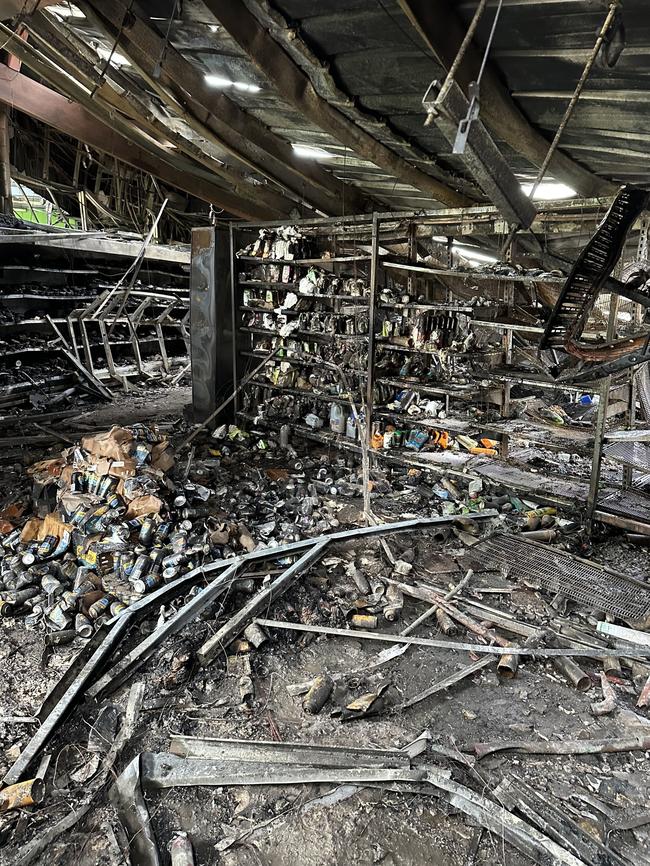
108,526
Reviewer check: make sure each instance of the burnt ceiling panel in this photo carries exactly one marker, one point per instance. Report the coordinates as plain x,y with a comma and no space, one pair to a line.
358,30
380,71
366,59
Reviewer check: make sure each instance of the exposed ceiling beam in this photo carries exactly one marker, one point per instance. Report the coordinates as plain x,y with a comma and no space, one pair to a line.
72,60
241,134
328,85
11,8
625,97
294,85
484,159
443,31
52,109
240,190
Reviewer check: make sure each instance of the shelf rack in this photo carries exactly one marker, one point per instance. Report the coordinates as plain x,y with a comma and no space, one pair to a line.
47,288
514,316
333,252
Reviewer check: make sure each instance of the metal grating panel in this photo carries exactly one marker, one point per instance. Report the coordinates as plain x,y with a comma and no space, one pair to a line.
635,454
556,571
626,503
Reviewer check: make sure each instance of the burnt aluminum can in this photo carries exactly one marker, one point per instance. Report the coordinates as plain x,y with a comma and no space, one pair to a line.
97,608
156,556
174,560
82,588
140,568
37,603
83,626
141,454
146,531
12,540
318,694
46,546
163,530
146,584
58,617
93,516
23,579
115,502
82,576
50,585
62,545
20,596
69,599
55,638
7,608
181,851
178,541
127,561
107,484
78,514
135,524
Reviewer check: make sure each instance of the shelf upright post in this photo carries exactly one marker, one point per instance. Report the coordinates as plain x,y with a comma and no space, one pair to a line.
601,416
412,256
370,381
630,414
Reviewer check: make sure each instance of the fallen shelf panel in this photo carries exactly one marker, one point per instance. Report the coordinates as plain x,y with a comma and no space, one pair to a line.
556,571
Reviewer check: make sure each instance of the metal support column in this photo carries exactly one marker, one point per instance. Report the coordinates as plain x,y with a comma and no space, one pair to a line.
234,318
601,417
6,202
211,335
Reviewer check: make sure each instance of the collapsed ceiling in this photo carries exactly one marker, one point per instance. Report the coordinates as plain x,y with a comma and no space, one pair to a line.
275,109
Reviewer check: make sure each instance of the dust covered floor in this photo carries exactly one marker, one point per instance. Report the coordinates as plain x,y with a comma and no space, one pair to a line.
253,693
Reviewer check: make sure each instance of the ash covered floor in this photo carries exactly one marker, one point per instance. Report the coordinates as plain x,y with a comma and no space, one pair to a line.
579,807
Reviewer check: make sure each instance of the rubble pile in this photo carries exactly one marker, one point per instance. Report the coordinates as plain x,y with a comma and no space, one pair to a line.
113,519
460,624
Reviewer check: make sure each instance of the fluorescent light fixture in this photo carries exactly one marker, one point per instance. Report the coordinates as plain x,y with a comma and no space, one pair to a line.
218,81
223,82
549,191
473,255
66,10
116,59
308,151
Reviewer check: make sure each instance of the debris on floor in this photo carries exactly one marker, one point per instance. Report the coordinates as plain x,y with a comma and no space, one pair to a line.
197,631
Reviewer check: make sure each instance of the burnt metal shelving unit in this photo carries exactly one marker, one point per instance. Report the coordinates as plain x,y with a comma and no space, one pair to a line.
503,307
50,285
417,306
305,293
